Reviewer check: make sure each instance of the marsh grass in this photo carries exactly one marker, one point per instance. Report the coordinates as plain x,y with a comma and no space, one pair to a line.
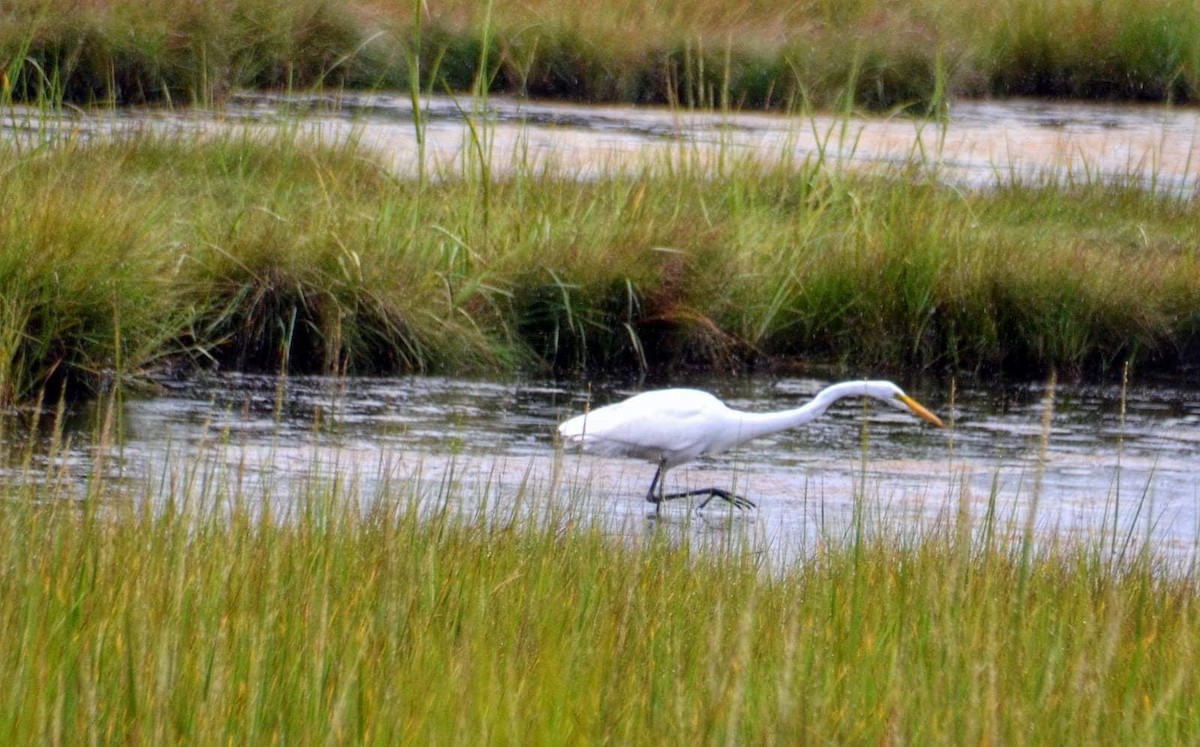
179,52
82,280
723,53
214,615
284,252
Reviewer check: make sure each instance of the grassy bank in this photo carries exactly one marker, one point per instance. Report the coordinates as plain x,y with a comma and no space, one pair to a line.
354,619
282,254
777,54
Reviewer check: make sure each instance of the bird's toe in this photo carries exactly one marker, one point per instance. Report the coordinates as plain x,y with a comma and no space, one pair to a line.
742,503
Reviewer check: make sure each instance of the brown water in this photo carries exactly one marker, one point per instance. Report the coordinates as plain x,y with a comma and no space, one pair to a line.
981,142
493,443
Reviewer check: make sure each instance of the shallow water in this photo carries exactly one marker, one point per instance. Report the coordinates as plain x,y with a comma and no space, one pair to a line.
980,143
493,441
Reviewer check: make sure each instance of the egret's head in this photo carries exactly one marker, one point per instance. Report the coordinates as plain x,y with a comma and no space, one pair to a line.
889,392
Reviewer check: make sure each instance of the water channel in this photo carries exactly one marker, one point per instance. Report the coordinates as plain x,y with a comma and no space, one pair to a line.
1099,467
980,143
489,445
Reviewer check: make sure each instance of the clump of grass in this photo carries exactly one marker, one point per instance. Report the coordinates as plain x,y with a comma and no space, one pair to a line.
310,254
879,55
1137,51
363,617
284,254
84,278
184,52
873,54
290,270
894,269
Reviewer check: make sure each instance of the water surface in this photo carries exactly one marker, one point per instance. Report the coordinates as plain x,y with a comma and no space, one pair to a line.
980,143
1095,467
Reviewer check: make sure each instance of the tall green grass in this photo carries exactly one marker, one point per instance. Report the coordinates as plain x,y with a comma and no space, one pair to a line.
181,52
729,53
279,253
357,615
84,278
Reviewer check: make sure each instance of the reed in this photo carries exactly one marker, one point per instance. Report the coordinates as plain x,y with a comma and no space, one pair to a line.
213,614
874,54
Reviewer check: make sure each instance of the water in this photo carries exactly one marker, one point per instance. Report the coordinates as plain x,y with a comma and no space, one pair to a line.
981,143
493,441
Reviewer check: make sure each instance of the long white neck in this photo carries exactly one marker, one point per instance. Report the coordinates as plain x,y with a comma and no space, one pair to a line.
755,424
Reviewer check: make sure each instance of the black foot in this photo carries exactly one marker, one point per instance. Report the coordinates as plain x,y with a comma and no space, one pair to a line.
732,498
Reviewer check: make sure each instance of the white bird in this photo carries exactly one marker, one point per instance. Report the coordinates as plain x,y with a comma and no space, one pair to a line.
673,426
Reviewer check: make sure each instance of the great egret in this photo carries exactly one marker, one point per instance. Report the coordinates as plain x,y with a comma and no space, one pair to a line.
673,426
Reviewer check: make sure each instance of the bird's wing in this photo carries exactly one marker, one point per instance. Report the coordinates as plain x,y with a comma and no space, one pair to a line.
668,423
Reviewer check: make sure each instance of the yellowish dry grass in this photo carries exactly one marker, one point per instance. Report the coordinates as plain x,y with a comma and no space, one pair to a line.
872,53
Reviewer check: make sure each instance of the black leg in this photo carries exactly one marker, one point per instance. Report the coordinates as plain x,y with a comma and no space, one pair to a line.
660,482
650,496
736,500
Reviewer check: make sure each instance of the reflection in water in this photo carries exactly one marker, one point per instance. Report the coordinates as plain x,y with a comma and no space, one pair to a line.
488,446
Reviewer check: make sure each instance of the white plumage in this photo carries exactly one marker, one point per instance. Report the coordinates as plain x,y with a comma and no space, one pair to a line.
672,426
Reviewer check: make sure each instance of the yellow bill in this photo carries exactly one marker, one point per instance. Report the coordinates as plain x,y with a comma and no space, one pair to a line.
920,410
